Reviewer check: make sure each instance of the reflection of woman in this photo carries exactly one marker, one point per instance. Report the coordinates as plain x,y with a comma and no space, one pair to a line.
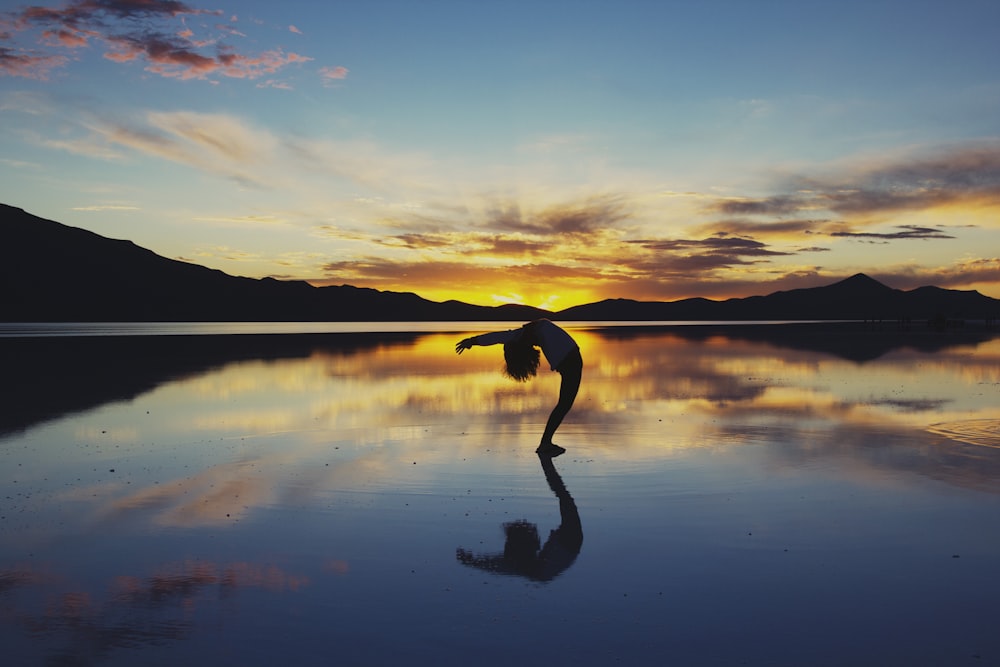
521,553
521,356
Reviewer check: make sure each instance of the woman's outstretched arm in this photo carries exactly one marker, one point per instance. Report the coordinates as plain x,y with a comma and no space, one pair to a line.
493,338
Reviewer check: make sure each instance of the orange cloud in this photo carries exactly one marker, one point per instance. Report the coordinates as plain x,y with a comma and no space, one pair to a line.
67,38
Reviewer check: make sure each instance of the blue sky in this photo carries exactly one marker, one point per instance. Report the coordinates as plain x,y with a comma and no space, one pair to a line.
539,152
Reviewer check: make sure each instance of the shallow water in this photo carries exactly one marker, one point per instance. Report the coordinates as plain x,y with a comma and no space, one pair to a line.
726,498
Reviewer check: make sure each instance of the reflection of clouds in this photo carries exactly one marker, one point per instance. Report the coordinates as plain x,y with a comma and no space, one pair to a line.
223,493
878,453
916,405
182,580
261,433
719,380
214,496
17,577
821,406
84,627
254,377
337,566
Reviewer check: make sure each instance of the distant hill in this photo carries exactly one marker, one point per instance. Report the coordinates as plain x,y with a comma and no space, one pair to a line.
51,272
856,298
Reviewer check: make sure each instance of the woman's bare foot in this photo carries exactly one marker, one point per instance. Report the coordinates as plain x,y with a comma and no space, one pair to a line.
549,449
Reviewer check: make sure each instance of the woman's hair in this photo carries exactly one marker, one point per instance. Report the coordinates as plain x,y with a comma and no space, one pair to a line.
522,543
521,360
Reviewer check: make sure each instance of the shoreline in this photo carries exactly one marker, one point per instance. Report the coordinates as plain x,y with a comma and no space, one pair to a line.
29,330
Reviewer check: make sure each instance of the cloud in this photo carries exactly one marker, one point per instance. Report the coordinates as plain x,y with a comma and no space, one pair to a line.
777,205
970,174
783,229
70,40
274,83
584,248
417,241
139,30
492,245
574,250
597,213
516,247
331,75
292,28
905,232
90,146
967,175
230,146
728,245
588,249
232,30
27,65
173,58
216,143
683,256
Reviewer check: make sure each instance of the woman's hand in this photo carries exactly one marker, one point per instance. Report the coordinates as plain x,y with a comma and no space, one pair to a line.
463,345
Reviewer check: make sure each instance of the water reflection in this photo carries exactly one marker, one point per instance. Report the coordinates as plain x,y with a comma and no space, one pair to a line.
83,624
523,553
184,494
45,378
203,432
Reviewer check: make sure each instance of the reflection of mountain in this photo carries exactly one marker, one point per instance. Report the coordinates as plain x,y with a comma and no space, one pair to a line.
854,341
44,378
890,451
87,277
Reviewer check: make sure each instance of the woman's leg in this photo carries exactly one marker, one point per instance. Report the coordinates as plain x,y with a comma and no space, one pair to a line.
571,371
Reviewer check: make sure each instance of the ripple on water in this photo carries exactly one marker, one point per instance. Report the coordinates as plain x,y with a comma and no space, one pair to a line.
980,432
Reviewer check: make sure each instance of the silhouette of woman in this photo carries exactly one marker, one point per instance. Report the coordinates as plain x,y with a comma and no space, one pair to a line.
523,554
521,356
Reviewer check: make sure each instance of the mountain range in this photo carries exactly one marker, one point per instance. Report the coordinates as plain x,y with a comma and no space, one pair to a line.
51,272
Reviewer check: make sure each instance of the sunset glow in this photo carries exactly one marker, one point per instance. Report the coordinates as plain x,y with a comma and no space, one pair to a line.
514,153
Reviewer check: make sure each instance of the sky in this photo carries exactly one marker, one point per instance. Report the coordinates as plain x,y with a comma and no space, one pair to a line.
540,152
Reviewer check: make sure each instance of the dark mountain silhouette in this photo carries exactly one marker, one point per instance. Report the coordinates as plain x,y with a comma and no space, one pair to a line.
52,272
856,298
